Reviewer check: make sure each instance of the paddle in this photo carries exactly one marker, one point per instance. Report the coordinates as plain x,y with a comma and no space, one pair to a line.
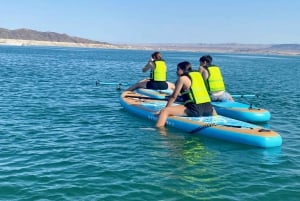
118,84
111,83
244,95
180,100
152,98
146,97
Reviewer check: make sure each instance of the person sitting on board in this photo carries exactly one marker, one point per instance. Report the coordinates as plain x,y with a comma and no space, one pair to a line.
214,80
158,75
191,86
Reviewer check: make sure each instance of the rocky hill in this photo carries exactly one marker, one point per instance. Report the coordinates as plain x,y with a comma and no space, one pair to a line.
283,49
295,47
28,37
28,34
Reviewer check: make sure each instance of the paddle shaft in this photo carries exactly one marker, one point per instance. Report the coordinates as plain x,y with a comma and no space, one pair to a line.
145,97
152,98
244,95
111,83
126,84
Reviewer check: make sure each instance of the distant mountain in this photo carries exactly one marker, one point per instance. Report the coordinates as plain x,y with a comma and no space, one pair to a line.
28,34
28,37
286,47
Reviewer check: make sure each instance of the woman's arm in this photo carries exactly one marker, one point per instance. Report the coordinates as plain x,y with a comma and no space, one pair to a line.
176,92
148,66
203,72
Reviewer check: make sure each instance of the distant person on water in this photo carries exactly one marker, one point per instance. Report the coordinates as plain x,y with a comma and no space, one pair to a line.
191,86
214,79
158,75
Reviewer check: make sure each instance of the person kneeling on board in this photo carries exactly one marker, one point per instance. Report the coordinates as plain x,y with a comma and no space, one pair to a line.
191,86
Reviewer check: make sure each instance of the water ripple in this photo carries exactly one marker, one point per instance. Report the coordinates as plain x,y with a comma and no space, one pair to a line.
64,138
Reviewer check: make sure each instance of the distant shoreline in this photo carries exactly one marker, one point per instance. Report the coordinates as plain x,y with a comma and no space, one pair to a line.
17,42
215,48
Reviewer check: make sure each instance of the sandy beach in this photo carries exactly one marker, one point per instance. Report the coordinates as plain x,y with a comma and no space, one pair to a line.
216,48
49,43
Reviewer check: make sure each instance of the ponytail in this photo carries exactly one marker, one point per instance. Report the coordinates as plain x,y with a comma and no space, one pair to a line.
185,66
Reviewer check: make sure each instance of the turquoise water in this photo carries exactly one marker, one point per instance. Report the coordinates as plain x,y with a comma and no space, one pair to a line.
64,138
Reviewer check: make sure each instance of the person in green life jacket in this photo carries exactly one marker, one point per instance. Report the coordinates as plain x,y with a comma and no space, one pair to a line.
191,87
214,79
158,75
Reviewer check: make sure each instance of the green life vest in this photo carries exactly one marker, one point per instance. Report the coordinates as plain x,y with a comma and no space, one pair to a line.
160,71
215,79
198,93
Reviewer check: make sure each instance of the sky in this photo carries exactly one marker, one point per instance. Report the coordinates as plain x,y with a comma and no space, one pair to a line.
159,21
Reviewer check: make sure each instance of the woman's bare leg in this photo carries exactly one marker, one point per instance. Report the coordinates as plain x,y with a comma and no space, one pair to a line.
138,85
169,111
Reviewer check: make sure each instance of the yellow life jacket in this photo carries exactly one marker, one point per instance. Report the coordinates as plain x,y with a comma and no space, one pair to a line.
215,79
198,93
160,71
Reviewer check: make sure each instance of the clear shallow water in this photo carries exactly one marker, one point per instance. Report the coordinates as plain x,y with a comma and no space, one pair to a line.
64,138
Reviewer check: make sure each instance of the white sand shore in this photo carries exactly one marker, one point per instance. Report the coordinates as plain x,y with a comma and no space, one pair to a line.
49,43
159,47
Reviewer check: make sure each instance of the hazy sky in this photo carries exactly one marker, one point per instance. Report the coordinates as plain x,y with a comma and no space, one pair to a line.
159,21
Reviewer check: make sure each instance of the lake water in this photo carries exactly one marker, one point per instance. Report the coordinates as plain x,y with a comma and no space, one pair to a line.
64,138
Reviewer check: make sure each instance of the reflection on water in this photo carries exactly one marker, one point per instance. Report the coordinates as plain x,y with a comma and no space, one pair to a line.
188,147
162,131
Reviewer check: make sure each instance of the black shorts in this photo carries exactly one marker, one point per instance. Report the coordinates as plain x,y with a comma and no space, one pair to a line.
198,110
157,85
